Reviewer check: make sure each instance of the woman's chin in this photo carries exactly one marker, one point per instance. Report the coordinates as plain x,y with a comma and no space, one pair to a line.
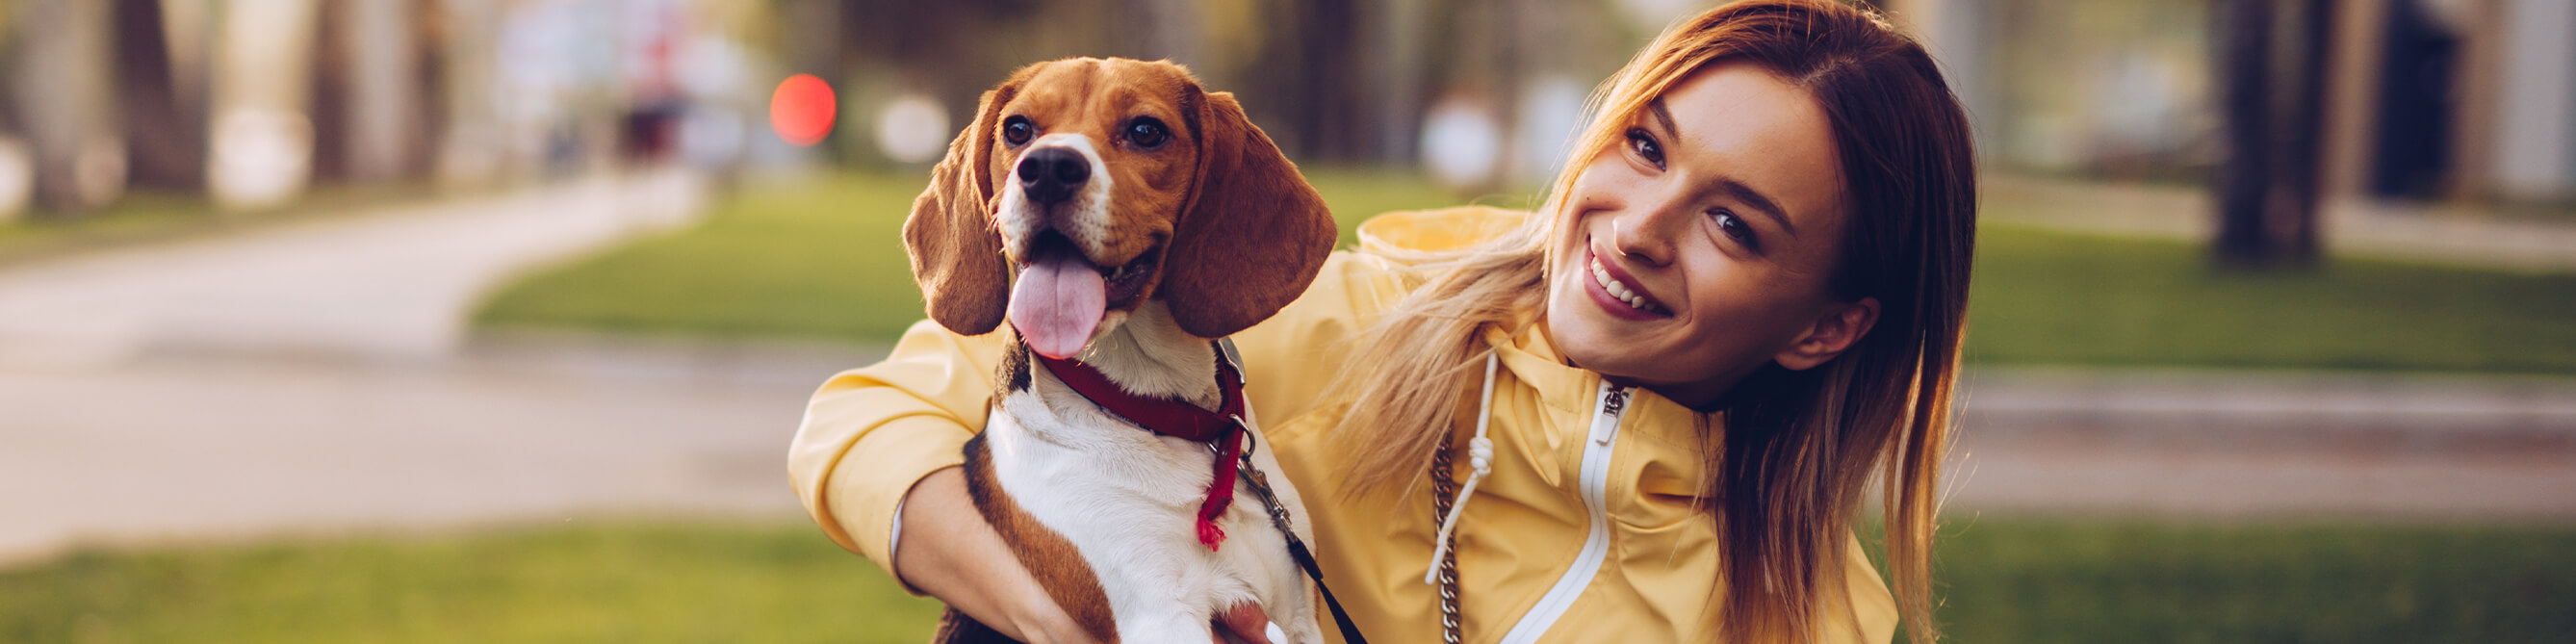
1589,338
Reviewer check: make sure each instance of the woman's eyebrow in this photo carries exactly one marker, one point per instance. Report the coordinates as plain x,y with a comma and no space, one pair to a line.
1758,202
1664,116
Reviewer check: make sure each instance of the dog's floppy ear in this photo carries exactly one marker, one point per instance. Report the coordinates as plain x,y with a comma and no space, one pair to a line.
956,252
1252,234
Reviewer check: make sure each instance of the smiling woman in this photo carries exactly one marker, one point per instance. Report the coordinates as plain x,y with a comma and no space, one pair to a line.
1769,225
1740,304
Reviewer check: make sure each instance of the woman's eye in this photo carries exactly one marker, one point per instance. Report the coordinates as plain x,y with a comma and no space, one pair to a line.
1644,145
1018,130
1147,133
1735,228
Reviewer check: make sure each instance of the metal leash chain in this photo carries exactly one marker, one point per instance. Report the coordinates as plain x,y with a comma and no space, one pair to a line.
1443,491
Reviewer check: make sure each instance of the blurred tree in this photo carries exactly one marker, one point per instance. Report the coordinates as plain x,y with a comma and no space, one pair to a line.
2271,62
1309,89
165,118
464,34
367,91
62,95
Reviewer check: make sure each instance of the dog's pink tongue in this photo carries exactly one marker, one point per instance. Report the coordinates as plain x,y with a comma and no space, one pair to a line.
1057,303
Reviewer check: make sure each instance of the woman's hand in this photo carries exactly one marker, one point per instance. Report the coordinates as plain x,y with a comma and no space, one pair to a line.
952,554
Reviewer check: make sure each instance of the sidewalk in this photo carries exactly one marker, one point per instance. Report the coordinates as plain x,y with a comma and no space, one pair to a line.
392,285
181,449
2236,444
2438,233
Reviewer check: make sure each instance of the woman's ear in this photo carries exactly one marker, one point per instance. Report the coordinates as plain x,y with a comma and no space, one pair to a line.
955,250
1834,332
1253,233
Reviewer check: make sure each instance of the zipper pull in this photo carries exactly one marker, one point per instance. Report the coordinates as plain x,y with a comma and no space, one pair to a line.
1613,401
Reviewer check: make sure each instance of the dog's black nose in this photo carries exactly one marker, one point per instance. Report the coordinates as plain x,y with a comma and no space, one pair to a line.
1051,175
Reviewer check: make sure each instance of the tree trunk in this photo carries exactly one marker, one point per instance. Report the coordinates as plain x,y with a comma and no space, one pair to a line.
165,120
63,95
2271,65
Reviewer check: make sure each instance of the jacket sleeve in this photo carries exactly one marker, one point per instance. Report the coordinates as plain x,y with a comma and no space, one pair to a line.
870,433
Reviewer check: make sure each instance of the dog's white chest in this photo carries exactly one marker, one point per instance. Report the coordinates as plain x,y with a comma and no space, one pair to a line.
1128,501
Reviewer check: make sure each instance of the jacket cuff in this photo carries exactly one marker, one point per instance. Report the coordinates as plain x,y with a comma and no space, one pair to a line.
865,492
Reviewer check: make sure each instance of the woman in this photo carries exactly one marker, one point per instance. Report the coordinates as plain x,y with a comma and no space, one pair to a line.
1669,387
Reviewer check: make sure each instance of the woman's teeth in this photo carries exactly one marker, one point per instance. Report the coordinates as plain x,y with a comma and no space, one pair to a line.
1602,276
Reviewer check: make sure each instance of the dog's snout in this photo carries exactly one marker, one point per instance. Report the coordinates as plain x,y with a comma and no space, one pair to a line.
1051,175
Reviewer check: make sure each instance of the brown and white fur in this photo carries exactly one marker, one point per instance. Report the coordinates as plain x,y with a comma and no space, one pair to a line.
1196,233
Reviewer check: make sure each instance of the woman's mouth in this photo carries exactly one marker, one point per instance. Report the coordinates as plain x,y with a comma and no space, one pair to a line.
1609,284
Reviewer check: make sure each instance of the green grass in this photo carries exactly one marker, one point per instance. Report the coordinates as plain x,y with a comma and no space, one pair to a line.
825,261
821,260
2055,298
2003,581
2041,581
589,583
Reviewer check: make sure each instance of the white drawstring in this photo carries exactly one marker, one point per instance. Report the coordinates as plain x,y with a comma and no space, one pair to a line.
1480,455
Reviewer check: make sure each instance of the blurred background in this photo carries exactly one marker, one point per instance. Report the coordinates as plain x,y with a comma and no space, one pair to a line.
442,320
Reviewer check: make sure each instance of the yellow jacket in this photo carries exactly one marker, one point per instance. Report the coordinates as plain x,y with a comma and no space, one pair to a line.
870,433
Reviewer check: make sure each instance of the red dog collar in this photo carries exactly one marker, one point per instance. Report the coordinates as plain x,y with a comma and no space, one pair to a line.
1221,429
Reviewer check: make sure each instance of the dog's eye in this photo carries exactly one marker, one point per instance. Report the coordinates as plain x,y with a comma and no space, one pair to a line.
1018,129
1147,133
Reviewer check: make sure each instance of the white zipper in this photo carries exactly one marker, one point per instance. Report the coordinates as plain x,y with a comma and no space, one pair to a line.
1596,541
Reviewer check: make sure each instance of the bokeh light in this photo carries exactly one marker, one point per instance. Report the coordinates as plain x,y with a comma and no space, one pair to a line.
801,109
913,128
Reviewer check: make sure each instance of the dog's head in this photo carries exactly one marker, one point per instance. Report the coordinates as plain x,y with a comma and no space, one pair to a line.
1099,184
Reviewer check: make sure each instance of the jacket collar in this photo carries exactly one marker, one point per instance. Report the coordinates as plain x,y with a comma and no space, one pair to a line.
1679,435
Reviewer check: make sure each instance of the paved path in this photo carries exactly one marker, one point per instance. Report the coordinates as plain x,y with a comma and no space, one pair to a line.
392,285
2219,444
171,448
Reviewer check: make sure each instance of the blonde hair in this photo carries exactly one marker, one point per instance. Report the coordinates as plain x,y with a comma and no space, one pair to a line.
1799,447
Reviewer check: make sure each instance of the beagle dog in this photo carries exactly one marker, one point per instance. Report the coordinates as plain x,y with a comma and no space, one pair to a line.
1122,219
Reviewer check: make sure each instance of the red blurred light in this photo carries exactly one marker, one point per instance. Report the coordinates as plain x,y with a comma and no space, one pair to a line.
801,110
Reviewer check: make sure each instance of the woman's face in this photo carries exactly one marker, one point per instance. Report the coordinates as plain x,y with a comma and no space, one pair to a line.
1699,249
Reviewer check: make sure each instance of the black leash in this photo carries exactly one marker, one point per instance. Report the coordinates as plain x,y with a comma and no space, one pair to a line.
1260,484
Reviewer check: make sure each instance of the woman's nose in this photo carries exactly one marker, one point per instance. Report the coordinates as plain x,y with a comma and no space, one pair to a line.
1646,235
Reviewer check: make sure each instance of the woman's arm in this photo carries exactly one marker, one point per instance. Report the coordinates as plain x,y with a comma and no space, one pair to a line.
871,433
885,439
959,559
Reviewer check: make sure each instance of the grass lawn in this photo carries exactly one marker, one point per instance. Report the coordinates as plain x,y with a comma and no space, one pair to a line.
2005,581
825,261
2057,581
2056,298
623,582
